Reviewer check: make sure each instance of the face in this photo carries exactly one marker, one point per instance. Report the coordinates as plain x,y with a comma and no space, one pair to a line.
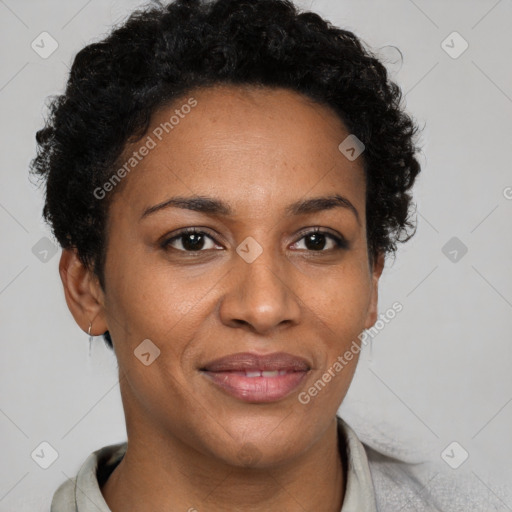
272,276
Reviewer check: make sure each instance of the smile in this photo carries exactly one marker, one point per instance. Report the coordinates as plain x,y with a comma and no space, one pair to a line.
257,378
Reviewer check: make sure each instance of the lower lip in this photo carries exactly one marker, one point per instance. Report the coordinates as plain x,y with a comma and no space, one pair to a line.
256,389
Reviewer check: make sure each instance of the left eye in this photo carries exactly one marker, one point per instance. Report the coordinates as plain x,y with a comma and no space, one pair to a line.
320,241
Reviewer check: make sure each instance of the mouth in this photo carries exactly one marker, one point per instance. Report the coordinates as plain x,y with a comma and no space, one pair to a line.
257,378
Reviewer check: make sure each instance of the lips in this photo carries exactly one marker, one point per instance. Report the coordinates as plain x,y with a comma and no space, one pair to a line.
247,361
257,378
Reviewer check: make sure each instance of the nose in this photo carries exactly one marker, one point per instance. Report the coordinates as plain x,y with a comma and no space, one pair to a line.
260,296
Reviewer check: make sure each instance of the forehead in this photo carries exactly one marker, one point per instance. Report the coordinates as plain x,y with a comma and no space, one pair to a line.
245,144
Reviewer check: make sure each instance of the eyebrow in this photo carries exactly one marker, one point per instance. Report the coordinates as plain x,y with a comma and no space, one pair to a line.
317,204
214,206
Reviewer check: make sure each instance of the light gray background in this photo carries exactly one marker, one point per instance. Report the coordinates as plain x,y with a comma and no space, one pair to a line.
439,372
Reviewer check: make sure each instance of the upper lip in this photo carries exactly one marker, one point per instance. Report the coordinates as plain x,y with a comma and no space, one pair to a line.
247,361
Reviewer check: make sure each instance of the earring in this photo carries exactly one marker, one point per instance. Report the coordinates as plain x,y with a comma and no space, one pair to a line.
90,338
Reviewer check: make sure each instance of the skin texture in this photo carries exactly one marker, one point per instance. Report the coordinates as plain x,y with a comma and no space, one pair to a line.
258,150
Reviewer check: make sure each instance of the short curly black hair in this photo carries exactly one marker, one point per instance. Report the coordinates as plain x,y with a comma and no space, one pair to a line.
163,51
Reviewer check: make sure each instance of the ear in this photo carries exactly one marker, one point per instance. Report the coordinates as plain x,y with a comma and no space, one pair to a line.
84,296
378,266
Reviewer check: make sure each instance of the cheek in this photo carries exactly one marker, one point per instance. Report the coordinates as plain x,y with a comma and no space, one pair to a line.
340,300
164,305
340,306
148,296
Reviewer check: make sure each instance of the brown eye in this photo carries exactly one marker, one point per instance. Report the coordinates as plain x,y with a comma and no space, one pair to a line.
190,240
321,241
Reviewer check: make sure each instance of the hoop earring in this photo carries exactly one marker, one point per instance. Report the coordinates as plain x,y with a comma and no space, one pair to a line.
90,338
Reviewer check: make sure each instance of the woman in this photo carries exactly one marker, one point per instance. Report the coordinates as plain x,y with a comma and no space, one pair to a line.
226,180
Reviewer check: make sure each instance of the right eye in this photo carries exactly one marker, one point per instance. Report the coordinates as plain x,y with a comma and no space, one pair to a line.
190,240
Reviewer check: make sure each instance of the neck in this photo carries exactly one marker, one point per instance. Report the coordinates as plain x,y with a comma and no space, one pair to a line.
168,475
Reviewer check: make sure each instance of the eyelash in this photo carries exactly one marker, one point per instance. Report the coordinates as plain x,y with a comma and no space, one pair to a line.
340,242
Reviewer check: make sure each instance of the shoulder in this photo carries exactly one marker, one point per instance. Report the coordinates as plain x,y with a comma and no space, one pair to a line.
410,477
430,485
401,485
64,497
83,492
